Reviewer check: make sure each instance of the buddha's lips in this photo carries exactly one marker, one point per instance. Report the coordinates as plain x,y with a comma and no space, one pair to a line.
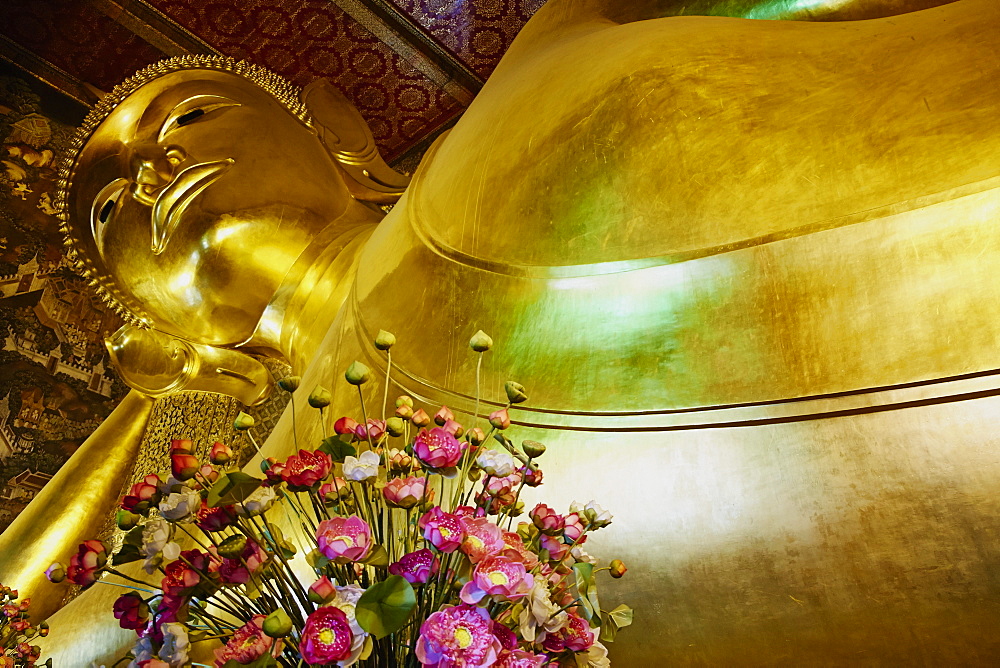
174,199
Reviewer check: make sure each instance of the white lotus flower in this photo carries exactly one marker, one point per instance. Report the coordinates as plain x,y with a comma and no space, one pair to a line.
257,503
495,463
540,615
157,544
175,644
361,468
180,506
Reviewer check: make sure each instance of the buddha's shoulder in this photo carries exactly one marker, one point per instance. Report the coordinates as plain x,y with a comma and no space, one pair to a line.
669,137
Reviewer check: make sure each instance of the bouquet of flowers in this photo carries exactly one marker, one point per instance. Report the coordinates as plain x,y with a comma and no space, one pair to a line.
393,543
16,632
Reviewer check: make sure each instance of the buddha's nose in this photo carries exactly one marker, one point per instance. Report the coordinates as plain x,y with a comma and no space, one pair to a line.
154,167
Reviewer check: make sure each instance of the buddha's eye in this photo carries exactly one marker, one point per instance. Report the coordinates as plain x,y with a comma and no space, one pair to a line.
193,110
103,209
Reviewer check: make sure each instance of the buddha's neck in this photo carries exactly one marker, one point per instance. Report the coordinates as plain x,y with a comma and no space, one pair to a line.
315,289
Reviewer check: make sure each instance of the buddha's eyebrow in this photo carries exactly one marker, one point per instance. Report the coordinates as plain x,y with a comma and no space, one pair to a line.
191,108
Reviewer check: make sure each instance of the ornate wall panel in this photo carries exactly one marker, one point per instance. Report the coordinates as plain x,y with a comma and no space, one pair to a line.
477,32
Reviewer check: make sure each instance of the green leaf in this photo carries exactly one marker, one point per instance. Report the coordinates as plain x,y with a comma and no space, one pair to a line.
232,487
608,628
378,558
337,448
317,560
622,616
134,537
584,580
385,606
127,554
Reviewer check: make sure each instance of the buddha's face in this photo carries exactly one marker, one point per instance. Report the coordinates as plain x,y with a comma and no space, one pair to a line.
198,192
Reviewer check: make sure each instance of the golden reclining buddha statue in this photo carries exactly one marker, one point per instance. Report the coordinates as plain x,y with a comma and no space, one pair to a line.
746,270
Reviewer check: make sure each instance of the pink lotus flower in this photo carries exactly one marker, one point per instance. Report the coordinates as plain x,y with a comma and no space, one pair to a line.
516,550
499,577
87,562
179,579
373,429
214,519
442,530
322,591
306,470
346,539
547,520
575,636
518,658
482,538
416,567
327,636
345,426
458,636
398,460
131,611
532,477
220,454
404,492
143,495
557,549
437,448
574,527
238,570
507,638
248,644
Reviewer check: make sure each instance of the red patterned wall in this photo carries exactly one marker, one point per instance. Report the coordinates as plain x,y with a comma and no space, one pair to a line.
477,31
75,37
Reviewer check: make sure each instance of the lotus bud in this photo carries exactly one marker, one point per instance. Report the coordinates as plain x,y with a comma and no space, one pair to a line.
126,520
515,392
183,466
357,374
443,416
278,624
617,568
320,397
221,454
384,340
404,412
475,436
290,383
420,418
56,572
395,426
533,449
345,425
453,428
43,630
181,446
233,547
475,474
243,422
500,419
322,591
480,342
404,400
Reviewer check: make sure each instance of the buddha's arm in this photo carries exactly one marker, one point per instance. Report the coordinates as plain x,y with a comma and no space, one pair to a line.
72,507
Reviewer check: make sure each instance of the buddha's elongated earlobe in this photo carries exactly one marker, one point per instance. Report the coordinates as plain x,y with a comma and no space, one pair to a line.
347,136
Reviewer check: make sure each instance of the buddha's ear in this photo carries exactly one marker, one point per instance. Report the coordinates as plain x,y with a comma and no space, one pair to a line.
349,140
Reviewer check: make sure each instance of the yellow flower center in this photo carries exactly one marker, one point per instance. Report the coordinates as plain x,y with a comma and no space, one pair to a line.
346,539
498,578
445,532
326,636
463,637
475,542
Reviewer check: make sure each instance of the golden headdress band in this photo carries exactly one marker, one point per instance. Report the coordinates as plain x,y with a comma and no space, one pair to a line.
278,87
